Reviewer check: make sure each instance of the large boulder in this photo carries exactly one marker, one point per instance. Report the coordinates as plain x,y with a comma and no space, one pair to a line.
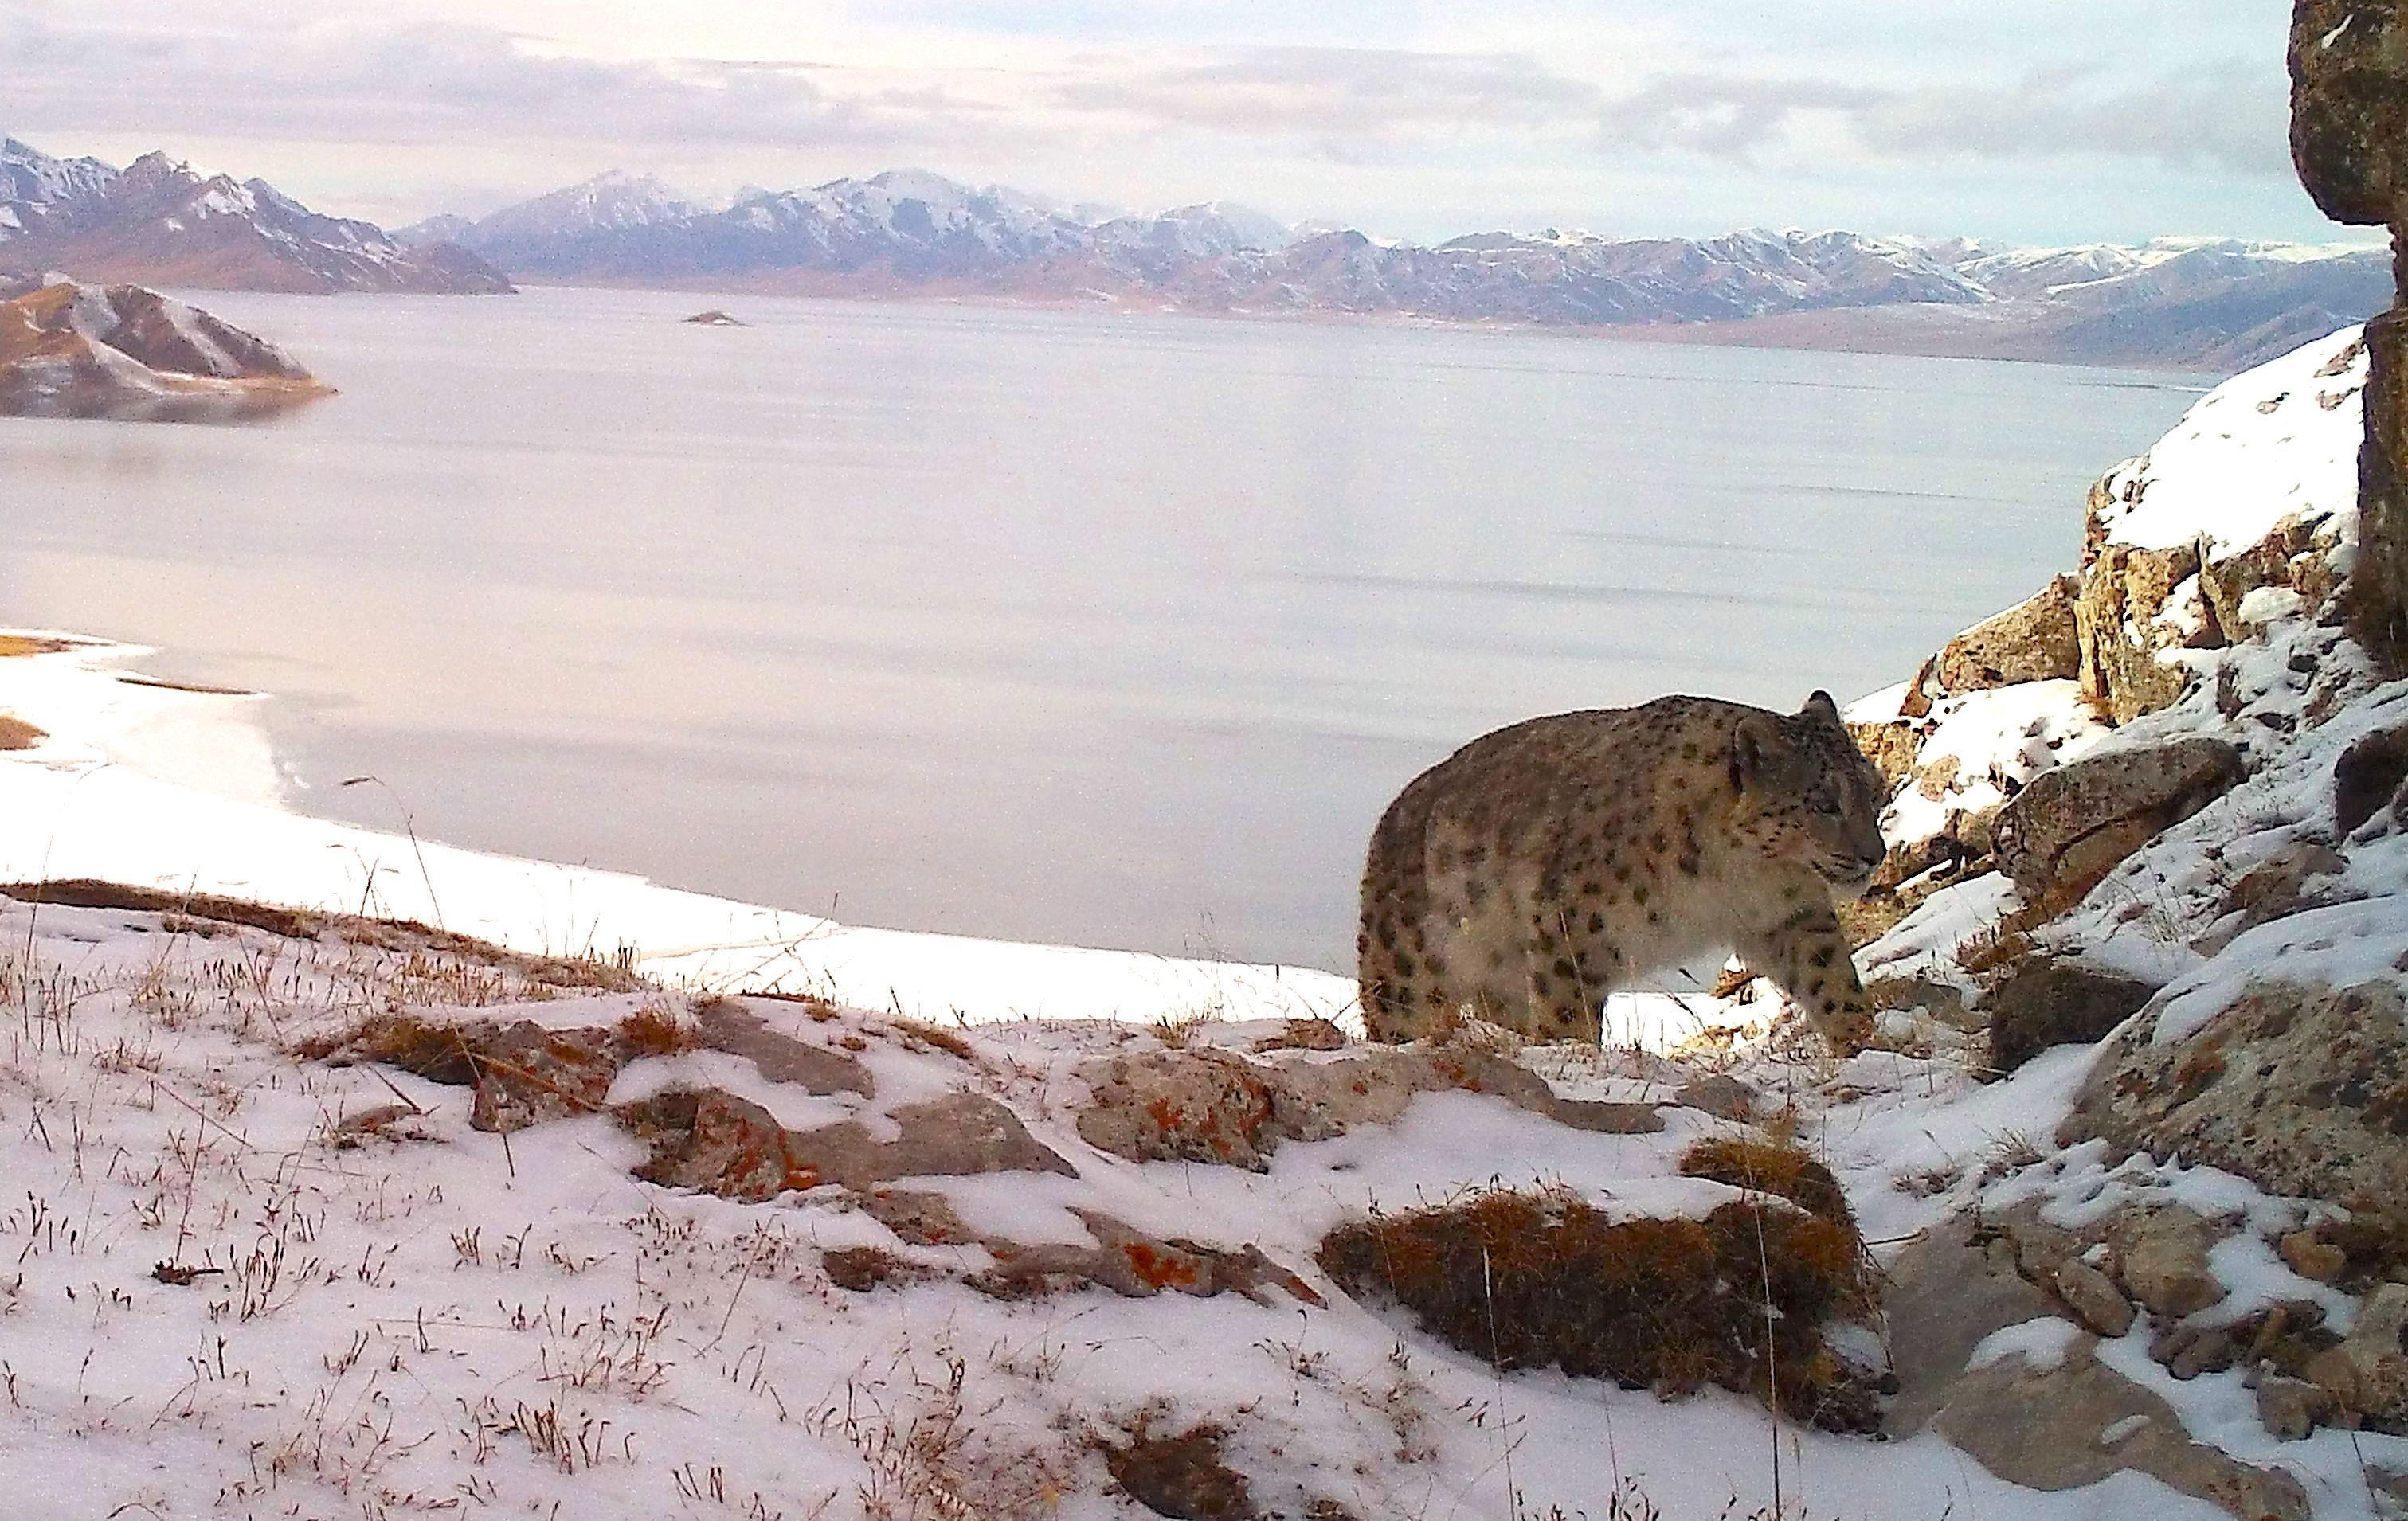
2072,825
2045,1003
2349,140
2301,1089
2032,641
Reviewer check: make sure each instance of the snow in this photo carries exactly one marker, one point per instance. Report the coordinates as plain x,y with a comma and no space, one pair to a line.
2276,441
2000,738
2043,1342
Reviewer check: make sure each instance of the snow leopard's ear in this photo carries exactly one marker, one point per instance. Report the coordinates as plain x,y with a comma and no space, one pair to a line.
1819,706
1757,744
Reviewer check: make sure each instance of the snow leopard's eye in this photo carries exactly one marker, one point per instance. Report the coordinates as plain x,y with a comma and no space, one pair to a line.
1824,803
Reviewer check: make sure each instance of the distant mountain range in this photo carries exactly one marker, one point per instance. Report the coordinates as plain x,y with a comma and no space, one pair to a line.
2208,303
2212,304
160,222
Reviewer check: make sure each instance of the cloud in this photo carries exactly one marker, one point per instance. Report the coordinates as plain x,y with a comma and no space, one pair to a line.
2229,119
448,83
1359,93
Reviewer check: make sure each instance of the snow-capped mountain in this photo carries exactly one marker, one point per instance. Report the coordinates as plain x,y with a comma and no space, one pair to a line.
32,184
163,222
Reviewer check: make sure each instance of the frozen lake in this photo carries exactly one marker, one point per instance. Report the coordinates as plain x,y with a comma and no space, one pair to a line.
1040,625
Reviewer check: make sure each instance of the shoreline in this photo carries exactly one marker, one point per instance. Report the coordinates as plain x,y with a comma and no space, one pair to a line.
93,799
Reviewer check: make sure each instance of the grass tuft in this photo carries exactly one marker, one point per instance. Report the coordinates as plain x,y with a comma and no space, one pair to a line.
1534,1279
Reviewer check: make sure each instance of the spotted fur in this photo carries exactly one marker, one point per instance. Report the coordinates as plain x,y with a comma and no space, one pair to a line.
1542,866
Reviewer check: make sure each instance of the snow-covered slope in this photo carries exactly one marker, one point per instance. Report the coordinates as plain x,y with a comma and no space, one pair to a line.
126,354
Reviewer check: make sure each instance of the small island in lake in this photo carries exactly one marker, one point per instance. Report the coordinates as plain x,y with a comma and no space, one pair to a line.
126,354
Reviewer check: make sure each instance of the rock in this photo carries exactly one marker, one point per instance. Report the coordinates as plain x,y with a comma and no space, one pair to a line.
2188,1351
2049,1429
2045,1003
1184,1476
2367,1373
1136,1265
2349,135
2312,1258
1315,1034
2275,888
2071,826
525,1073
1215,1107
2367,774
1890,745
2291,1408
2349,107
2120,625
716,317
2035,640
1191,1106
2302,1089
128,354
716,1142
728,1025
2161,1257
2094,1298
1945,1295
1721,1096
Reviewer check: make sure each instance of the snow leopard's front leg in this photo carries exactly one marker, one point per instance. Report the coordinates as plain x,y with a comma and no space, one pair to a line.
1807,957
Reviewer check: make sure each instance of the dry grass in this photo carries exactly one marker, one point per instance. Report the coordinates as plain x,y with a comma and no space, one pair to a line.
1772,1168
13,645
654,1032
17,734
402,936
1531,1279
920,1032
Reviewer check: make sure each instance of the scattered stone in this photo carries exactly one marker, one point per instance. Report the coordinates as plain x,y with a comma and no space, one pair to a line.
2161,1256
2368,1372
2093,1297
1184,1477
354,1129
858,1270
2312,1258
2070,826
2045,1003
2291,1408
2035,640
2188,1351
2302,1089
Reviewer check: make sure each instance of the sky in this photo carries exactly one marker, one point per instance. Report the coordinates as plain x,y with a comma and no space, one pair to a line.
2011,121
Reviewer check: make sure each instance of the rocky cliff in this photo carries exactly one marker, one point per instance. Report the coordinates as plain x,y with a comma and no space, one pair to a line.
2349,138
123,352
